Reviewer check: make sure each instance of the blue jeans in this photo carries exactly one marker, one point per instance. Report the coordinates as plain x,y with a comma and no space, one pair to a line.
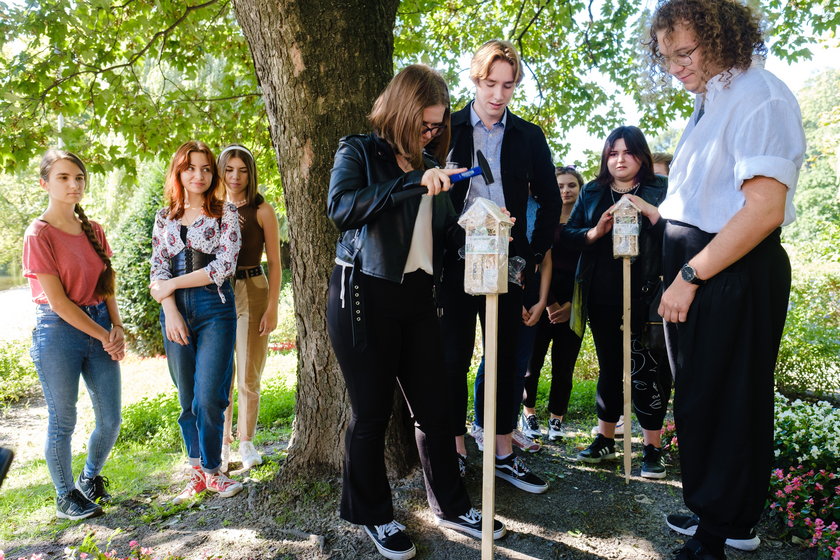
61,354
202,370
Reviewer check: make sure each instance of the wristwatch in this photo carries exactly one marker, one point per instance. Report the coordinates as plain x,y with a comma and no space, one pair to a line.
690,275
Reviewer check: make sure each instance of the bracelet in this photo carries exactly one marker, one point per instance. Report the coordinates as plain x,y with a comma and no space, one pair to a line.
113,326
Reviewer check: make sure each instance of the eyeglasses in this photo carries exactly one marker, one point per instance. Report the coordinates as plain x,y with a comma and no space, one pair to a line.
682,59
435,129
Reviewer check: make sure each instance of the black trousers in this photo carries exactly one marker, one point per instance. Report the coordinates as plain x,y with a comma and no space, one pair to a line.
460,310
565,347
403,349
723,358
650,378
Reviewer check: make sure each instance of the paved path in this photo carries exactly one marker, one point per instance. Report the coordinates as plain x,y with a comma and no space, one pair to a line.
17,314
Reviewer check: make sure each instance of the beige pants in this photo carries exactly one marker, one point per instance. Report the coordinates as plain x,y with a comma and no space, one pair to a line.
251,295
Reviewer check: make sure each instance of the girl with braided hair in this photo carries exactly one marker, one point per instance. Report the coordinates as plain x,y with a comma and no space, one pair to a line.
78,331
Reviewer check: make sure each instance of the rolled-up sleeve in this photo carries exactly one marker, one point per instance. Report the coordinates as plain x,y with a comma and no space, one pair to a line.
160,269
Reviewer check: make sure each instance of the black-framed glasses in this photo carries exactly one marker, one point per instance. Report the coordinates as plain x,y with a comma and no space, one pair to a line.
435,129
681,59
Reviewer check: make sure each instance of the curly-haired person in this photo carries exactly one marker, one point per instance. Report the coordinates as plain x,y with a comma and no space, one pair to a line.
730,190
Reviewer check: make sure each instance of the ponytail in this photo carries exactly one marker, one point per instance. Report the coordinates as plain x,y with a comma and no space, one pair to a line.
106,285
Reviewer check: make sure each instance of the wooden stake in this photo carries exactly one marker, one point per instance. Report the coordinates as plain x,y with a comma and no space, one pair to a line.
488,497
625,327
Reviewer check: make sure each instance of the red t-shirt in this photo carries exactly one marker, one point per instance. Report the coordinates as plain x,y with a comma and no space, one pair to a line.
48,250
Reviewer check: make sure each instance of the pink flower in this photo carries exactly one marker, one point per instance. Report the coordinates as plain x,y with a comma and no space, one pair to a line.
132,544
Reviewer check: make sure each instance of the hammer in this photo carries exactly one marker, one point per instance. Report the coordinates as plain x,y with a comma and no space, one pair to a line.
482,168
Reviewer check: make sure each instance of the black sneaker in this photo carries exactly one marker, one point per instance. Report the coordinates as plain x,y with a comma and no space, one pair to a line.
513,469
652,464
694,550
530,425
556,431
74,505
470,523
462,464
602,448
390,541
687,525
94,488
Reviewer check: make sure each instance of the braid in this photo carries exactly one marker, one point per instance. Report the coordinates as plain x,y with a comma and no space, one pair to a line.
105,287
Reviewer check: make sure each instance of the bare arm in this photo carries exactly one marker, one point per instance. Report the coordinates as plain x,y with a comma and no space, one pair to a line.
545,284
267,220
762,213
73,314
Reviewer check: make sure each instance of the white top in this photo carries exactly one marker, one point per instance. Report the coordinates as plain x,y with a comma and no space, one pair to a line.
751,128
420,252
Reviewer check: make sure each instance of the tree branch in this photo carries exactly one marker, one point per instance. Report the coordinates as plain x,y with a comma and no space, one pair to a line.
130,62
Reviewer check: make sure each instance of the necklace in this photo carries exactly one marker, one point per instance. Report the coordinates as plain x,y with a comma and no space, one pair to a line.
239,203
614,191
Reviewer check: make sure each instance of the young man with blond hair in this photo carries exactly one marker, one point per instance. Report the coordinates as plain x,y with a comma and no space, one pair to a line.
730,189
520,162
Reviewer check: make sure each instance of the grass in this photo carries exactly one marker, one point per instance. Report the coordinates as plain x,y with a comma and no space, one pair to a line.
147,458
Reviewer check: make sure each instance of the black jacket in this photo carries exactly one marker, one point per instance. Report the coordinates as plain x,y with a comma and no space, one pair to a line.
375,232
525,162
647,268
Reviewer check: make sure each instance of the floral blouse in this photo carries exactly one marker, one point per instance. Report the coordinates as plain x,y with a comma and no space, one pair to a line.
219,237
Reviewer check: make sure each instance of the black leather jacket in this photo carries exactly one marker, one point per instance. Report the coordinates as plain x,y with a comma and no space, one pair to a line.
526,164
647,267
375,232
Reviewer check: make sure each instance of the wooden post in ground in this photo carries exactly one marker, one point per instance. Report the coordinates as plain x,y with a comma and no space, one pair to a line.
488,494
627,363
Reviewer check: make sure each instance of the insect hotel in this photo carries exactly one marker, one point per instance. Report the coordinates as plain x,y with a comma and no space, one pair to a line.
626,226
486,249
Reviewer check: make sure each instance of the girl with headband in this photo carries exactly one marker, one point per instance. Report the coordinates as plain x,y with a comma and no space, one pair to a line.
256,296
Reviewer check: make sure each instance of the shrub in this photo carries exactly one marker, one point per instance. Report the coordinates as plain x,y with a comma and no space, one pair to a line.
806,434
152,420
809,357
808,504
19,378
670,443
132,247
277,403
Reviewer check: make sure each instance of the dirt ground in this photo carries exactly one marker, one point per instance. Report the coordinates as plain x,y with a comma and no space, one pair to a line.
588,513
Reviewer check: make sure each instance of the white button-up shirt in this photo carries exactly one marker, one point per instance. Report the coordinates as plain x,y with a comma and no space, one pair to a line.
750,128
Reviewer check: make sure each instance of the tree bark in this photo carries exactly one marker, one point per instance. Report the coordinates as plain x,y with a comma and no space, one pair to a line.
320,65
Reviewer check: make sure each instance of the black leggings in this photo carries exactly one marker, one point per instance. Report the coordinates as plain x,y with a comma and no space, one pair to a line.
565,347
651,378
403,350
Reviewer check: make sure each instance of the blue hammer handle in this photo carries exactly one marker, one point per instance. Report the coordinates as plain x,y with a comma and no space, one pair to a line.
414,191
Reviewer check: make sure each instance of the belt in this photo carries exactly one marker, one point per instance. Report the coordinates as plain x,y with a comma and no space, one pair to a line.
249,272
196,260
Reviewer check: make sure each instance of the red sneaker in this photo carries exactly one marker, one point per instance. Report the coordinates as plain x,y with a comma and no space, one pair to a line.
194,487
221,484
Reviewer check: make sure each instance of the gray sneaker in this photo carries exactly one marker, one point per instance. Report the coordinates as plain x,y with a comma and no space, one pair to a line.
94,488
74,505
530,425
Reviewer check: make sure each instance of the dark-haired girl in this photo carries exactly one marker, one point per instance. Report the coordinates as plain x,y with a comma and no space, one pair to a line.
195,244
626,170
78,331
256,295
553,326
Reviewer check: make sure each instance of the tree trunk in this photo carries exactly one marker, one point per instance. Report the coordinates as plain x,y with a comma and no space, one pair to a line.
320,65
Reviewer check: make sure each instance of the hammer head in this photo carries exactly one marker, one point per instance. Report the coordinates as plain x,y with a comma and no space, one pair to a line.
485,167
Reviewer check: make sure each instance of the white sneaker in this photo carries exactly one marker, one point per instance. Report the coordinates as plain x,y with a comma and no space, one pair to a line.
250,456
225,457
477,432
619,428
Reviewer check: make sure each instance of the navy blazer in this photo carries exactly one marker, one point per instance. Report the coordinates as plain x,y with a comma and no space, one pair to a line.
525,163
